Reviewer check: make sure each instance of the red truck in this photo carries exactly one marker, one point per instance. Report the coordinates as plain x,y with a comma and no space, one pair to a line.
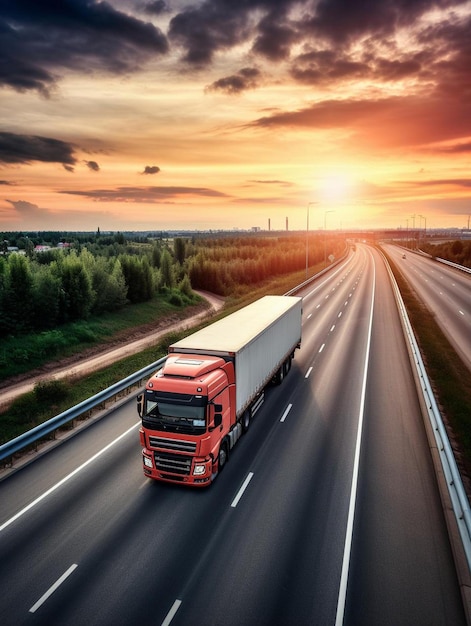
197,406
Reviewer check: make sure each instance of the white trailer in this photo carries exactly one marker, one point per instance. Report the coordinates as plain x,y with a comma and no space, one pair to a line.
260,338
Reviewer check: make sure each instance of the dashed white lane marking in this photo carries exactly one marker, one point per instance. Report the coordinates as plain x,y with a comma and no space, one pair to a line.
52,588
240,493
285,414
171,613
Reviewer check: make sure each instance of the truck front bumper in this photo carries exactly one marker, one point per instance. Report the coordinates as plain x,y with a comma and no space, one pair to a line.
177,469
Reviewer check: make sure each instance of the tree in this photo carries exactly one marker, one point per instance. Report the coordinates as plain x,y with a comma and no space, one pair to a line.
77,287
166,270
138,277
156,255
18,300
109,285
47,297
179,249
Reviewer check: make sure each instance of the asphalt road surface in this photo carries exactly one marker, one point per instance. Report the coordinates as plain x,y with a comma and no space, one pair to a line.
327,513
446,292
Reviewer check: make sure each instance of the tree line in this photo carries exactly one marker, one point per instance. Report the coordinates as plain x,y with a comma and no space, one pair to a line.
221,265
40,291
457,251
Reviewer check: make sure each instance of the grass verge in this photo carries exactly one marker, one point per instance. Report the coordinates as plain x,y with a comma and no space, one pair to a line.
23,353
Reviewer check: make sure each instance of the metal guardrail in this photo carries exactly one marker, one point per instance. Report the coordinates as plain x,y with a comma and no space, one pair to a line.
7,450
455,265
457,493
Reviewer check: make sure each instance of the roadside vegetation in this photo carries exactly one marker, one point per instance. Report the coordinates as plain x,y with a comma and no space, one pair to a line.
449,376
455,251
240,268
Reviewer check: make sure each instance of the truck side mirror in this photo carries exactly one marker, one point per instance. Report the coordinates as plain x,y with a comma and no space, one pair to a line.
217,408
140,404
217,420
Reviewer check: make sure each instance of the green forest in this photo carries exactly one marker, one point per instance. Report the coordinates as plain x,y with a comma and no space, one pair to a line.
57,292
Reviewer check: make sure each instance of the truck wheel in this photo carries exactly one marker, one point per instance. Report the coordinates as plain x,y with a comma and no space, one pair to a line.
280,374
287,365
246,420
223,456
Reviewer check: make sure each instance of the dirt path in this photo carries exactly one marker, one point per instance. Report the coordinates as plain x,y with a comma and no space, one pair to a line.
82,365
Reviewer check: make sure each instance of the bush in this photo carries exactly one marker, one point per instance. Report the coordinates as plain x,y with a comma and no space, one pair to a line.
49,391
176,299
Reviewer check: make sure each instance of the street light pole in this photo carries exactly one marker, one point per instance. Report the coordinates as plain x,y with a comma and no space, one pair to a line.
307,235
325,235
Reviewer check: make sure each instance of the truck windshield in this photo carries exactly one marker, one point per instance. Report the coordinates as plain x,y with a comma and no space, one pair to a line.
175,414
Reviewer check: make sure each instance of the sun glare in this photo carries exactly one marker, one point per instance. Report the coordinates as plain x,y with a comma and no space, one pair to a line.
336,188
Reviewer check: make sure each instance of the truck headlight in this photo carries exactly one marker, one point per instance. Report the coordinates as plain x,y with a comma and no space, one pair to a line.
147,461
199,469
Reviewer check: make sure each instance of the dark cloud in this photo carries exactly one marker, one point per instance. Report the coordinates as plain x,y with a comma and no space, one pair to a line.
28,148
246,78
6,182
321,66
449,43
275,38
145,194
341,21
38,40
327,114
202,31
393,122
213,25
151,169
156,8
93,166
340,40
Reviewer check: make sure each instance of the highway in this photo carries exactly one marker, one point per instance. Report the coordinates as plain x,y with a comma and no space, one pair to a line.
328,511
446,292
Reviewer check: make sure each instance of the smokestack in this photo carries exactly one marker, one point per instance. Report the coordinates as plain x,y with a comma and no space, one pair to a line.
287,224
269,224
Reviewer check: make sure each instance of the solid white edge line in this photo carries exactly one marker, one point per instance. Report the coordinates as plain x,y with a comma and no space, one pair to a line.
308,373
353,493
287,410
66,478
51,589
171,613
240,493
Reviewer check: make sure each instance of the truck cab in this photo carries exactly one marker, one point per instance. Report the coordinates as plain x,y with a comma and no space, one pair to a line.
186,415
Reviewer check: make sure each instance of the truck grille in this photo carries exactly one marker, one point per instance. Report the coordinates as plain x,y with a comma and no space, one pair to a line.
175,463
172,444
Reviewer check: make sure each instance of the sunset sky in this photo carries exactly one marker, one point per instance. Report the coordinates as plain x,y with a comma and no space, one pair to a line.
221,114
